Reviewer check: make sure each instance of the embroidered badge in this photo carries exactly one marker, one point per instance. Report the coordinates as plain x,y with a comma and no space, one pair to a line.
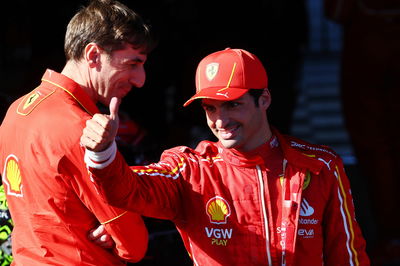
211,70
31,100
12,176
218,210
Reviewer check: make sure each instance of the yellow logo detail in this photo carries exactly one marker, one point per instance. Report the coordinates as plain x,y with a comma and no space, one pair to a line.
173,173
31,99
281,177
218,210
12,176
307,180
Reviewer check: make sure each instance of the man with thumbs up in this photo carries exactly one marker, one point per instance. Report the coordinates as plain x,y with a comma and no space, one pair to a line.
52,202
255,197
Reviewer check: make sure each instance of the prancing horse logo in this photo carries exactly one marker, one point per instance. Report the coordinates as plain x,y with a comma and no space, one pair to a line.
211,70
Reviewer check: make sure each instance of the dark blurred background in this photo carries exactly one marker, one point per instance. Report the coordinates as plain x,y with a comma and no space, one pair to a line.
300,47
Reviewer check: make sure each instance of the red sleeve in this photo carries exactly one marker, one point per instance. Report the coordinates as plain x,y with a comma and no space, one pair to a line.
127,229
130,236
344,243
154,190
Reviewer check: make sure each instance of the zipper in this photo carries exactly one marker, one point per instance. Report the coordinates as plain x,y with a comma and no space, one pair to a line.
283,225
264,212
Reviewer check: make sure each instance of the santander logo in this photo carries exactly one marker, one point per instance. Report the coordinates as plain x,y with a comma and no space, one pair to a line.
306,209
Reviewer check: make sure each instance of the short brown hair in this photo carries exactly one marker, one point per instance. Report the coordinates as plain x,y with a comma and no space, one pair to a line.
256,94
108,23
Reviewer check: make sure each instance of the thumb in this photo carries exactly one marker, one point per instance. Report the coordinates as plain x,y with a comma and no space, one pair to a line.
114,107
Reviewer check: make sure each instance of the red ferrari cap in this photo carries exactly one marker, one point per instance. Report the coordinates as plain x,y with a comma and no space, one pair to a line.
228,74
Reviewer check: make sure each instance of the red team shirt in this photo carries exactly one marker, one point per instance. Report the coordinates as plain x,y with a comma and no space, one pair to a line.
52,202
286,203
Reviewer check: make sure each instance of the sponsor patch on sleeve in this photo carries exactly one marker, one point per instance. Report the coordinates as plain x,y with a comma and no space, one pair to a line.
12,176
33,99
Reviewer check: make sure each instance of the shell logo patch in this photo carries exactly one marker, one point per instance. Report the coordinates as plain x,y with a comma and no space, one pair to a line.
32,99
218,210
211,70
12,176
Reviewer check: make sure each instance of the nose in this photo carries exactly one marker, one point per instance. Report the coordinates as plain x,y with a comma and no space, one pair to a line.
138,77
221,118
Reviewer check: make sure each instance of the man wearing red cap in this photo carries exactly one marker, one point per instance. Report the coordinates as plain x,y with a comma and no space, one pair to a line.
255,197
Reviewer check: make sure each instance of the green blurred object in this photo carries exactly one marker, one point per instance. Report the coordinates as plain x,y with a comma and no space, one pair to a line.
6,226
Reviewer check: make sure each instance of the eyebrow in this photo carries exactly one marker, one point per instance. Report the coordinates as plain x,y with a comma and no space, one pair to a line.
135,59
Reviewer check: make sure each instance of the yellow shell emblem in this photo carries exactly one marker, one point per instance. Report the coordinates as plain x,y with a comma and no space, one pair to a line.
12,176
218,210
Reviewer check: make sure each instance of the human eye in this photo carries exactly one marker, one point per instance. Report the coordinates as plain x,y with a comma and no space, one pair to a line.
233,104
134,64
208,108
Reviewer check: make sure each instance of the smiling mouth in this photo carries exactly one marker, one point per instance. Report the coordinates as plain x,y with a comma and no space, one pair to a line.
227,133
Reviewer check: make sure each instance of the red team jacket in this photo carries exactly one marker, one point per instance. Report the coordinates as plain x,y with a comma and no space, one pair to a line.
52,202
230,208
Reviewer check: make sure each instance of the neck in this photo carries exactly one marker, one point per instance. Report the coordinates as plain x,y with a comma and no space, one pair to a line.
264,136
81,75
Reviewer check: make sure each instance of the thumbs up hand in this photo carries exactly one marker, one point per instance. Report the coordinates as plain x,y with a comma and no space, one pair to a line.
114,107
101,129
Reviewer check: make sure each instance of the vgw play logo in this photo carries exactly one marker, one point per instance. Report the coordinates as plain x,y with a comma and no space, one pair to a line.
218,211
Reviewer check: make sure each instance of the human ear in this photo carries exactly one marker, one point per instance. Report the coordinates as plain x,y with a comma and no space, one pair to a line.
92,54
265,99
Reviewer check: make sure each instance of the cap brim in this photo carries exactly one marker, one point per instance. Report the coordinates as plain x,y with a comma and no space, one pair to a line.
227,94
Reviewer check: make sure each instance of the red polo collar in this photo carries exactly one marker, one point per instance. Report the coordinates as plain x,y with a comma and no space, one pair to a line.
57,80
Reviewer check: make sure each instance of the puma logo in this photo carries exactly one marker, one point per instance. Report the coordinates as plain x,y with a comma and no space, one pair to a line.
325,162
223,94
